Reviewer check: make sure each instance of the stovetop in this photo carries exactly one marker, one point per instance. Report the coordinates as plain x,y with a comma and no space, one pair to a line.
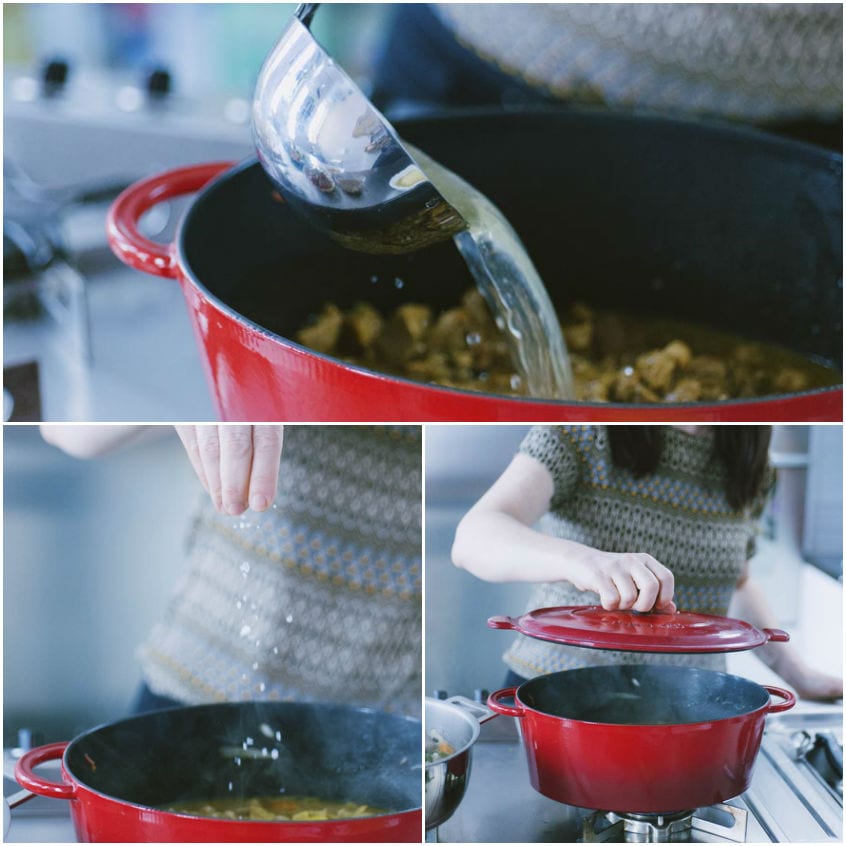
787,802
86,338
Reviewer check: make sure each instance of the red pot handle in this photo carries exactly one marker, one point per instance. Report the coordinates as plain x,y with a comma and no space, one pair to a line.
26,777
515,710
127,243
786,695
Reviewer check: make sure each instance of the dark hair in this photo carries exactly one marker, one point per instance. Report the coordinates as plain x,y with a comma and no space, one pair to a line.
743,450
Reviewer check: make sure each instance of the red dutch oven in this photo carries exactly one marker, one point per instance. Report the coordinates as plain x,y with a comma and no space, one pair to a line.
117,777
713,224
640,738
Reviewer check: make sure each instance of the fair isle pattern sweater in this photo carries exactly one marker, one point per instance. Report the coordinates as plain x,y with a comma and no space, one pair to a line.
679,515
318,598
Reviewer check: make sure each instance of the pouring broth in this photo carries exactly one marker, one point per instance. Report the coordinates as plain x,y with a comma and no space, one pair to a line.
510,284
274,809
615,357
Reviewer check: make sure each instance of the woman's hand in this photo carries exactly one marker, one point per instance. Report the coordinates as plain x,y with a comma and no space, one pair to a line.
625,580
237,465
750,603
496,540
814,684
807,681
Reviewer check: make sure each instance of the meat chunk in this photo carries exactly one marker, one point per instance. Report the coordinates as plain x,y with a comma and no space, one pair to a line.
323,333
362,326
656,370
790,380
403,333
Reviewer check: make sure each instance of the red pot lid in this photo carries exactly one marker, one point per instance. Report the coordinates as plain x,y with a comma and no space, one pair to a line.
630,631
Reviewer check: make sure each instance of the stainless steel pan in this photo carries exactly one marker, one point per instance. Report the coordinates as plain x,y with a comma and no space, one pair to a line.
459,720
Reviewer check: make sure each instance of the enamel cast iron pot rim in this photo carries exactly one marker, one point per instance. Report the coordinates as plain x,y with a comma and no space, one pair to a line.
388,379
592,738
256,373
120,775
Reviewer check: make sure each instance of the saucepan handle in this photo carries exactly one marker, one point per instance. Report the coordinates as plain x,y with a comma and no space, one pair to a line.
127,242
495,703
475,709
781,693
27,778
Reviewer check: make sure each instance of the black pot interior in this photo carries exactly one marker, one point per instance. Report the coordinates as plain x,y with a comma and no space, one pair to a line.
719,226
642,695
329,751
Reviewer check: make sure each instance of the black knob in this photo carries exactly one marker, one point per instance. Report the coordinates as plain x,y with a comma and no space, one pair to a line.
440,694
54,75
159,83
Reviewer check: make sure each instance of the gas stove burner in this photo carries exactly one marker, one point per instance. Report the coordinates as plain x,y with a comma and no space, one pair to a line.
716,823
602,827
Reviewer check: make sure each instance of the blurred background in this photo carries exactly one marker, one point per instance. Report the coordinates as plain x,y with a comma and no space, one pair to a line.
91,550
210,51
799,561
97,96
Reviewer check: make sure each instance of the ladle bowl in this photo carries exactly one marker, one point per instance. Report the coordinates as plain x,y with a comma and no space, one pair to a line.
335,158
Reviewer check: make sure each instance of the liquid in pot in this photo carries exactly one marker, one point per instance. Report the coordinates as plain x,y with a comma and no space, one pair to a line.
615,357
273,808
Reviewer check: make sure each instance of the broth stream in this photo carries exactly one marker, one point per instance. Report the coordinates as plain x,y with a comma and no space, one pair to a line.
510,284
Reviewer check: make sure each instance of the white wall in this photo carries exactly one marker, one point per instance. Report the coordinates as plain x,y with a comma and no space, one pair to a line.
90,550
462,653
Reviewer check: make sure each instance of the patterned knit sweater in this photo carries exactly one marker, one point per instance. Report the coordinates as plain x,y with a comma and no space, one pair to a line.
318,598
755,61
679,515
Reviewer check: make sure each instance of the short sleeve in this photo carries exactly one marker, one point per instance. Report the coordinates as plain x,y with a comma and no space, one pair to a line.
756,510
552,447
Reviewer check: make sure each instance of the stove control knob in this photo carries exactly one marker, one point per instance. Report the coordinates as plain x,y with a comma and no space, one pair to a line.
158,84
54,76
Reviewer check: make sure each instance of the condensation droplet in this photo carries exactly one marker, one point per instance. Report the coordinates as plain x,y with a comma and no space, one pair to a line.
289,618
245,630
